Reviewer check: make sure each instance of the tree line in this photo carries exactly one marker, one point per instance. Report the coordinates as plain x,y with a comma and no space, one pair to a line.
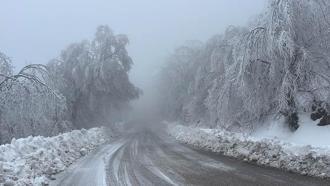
278,65
87,85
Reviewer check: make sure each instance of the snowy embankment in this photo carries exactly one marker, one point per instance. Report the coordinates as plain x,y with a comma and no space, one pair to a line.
303,159
33,160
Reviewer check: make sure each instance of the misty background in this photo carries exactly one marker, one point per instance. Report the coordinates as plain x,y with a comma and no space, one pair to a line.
123,82
36,31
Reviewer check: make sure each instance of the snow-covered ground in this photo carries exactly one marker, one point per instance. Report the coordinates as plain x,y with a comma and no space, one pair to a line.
307,134
34,160
307,151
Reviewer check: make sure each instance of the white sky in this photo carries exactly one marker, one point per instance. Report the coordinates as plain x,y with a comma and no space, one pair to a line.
35,31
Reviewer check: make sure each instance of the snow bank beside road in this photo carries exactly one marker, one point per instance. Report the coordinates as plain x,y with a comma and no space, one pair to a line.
33,160
306,160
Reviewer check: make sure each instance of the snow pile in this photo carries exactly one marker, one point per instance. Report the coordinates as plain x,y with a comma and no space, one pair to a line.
303,159
33,160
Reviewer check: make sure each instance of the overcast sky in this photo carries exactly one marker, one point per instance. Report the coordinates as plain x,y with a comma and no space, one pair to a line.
35,31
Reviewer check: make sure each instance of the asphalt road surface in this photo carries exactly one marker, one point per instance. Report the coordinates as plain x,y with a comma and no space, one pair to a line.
147,158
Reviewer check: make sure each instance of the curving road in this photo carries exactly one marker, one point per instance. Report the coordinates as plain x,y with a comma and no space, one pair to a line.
147,158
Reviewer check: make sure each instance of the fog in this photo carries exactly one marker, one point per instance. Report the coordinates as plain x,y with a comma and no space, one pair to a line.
164,92
35,31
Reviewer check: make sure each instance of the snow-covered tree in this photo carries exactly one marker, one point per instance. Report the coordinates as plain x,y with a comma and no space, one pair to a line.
175,80
93,76
29,104
278,65
6,68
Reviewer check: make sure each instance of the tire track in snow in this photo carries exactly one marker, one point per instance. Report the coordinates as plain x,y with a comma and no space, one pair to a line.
90,170
146,158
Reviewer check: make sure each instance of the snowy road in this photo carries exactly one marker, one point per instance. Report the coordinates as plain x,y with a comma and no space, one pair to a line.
147,158
89,170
